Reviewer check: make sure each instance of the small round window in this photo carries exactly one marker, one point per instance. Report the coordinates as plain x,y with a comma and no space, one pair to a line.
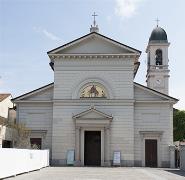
93,91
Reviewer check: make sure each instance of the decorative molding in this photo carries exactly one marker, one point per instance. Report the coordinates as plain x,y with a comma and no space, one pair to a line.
99,119
92,109
97,67
96,102
85,101
39,132
146,134
154,101
33,101
151,132
92,56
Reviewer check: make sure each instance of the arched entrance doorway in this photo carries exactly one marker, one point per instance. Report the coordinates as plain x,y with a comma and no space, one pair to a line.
92,138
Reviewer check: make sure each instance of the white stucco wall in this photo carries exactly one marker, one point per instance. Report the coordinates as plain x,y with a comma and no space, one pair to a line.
116,74
37,117
4,105
157,118
121,129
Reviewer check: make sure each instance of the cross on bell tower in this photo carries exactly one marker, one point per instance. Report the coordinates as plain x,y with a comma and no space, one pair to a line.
157,20
94,27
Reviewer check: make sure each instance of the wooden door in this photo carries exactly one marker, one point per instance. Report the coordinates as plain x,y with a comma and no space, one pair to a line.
151,153
92,149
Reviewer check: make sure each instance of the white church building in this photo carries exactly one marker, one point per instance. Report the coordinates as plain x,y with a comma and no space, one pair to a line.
96,110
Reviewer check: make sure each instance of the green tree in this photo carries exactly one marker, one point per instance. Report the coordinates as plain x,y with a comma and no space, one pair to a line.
178,125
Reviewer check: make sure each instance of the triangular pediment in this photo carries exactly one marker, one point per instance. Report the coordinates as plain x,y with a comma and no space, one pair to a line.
44,93
94,43
143,93
92,113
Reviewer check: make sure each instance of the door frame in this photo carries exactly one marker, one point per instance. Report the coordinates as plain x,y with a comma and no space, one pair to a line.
157,135
156,152
82,145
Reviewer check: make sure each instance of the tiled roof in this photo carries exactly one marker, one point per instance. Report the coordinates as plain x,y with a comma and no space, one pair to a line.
3,96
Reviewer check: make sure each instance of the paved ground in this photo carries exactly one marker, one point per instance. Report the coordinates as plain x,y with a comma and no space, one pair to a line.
100,173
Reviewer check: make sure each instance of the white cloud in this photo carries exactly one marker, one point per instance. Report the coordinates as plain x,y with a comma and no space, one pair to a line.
48,34
127,8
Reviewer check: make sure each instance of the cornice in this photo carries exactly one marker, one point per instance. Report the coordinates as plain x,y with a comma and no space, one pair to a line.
33,101
83,102
154,102
93,56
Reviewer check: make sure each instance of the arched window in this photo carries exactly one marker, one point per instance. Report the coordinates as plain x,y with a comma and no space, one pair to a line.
158,57
148,62
93,90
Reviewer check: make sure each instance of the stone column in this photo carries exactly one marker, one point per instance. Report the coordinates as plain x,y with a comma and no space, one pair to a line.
107,146
172,156
77,147
102,147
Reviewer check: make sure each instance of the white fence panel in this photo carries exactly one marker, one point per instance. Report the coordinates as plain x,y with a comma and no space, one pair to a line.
16,161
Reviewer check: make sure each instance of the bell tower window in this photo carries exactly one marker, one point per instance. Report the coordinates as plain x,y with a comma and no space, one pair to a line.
148,62
158,57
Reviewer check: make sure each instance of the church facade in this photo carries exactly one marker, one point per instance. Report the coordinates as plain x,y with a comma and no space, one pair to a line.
95,109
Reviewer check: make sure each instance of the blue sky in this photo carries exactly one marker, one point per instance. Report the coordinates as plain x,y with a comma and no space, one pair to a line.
30,28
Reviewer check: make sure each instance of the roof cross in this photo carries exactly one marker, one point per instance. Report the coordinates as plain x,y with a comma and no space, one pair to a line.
157,20
94,22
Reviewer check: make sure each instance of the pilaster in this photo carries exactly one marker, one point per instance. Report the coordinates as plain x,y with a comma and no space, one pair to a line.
77,147
102,146
107,146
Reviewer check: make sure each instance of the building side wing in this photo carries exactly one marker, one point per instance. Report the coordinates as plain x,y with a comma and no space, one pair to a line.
44,93
142,93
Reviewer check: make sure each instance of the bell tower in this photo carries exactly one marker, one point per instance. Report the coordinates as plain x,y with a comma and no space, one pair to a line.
157,77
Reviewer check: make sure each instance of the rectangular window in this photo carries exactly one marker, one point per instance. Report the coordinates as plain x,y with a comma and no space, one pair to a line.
6,144
36,143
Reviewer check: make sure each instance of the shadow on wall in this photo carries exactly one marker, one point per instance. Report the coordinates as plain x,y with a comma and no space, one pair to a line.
177,171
